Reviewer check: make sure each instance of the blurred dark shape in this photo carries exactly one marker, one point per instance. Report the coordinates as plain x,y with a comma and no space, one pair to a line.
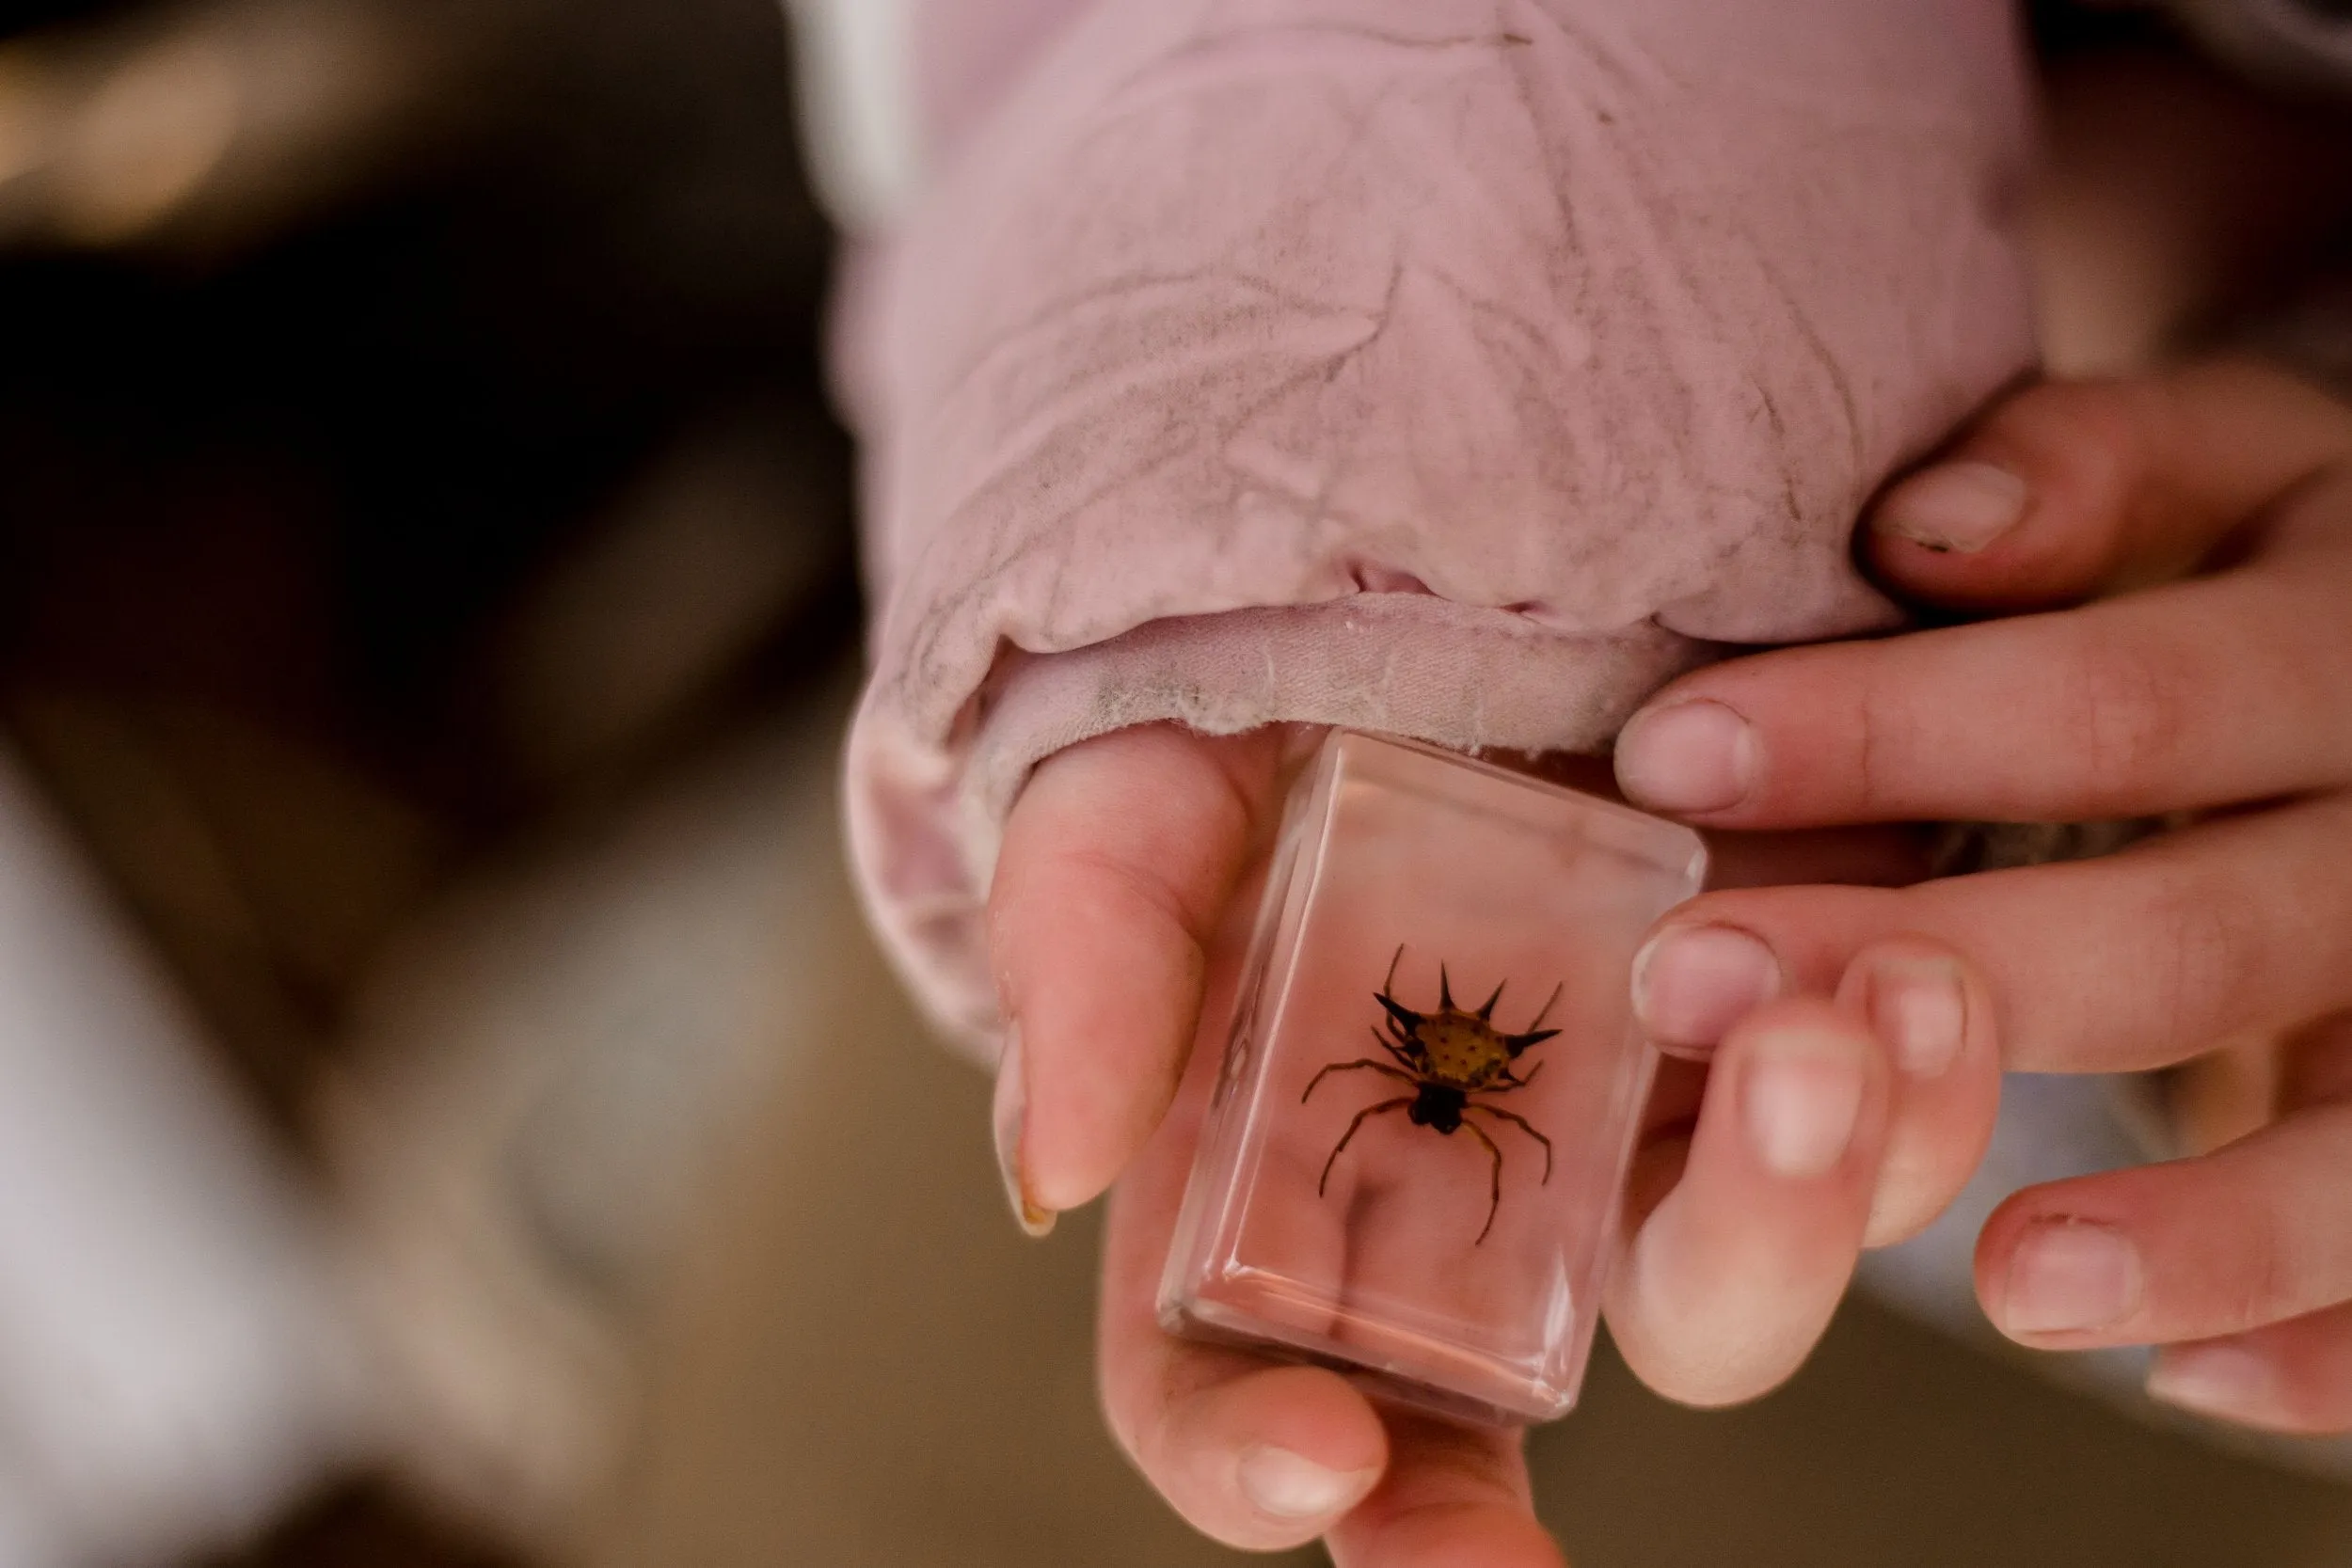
2302,46
411,436
2185,205
410,421
365,1523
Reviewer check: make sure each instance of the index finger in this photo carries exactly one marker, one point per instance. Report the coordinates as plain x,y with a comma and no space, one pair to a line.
2197,694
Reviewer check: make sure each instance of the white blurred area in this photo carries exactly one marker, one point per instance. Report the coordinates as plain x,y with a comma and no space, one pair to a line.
174,1360
857,95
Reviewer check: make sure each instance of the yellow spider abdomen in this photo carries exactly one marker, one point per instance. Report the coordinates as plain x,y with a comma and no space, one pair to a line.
1461,1050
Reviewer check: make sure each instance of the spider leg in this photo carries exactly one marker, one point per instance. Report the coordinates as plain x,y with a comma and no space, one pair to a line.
1399,1016
1360,1062
1510,1081
1348,1137
1494,1183
1536,1034
1524,1127
1402,1060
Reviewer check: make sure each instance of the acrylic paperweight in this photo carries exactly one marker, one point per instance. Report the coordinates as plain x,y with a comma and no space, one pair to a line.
1412,1161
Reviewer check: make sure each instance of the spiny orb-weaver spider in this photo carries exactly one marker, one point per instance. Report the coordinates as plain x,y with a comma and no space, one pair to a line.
1447,1056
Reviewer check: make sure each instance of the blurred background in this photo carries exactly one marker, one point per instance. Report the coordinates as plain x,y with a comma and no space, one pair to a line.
450,1111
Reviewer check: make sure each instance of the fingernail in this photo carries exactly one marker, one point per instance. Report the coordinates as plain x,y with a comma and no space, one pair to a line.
1693,756
1803,1096
1959,506
1010,1115
1693,983
2068,1276
1918,1008
2228,1381
1289,1486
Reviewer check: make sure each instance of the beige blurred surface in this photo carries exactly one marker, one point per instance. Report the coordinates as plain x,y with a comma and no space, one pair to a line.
861,1365
863,1362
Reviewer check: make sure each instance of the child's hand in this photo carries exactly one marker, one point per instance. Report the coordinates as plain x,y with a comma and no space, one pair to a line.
2228,694
1115,909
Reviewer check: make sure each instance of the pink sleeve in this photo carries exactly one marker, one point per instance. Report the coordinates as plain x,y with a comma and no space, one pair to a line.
1462,369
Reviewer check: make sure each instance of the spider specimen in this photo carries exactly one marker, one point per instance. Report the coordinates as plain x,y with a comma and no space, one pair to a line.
1447,1056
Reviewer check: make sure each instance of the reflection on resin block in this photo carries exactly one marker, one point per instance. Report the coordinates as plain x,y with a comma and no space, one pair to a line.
1412,1161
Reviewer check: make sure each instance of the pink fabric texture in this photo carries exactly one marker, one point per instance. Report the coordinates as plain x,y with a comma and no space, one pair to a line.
969,53
1461,369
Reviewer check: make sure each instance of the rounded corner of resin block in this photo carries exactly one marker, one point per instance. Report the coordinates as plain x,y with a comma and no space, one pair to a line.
1556,1408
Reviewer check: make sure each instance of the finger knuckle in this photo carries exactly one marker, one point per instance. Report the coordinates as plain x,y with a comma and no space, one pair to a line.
2263,1276
2125,702
1885,744
2203,957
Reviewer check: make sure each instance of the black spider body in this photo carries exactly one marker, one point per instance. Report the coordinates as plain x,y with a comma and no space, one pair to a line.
1436,1106
1447,1056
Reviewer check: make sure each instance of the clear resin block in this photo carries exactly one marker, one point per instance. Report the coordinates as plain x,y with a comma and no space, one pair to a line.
1412,1161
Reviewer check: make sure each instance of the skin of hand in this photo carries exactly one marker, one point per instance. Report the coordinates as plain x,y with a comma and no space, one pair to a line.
2172,557
1121,903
